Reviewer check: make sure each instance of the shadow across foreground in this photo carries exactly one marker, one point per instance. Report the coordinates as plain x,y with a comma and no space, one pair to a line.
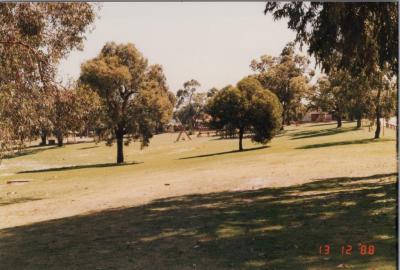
272,228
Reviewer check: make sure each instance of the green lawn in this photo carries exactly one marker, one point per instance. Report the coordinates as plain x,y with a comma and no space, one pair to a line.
201,205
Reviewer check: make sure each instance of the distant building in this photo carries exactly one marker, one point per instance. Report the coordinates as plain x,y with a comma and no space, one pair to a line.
391,123
317,116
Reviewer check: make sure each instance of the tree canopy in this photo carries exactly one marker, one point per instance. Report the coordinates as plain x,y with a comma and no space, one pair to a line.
246,107
134,94
332,94
33,38
189,104
363,34
287,76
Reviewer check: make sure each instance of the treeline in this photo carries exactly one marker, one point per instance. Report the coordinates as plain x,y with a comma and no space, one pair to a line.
339,91
356,45
120,98
298,90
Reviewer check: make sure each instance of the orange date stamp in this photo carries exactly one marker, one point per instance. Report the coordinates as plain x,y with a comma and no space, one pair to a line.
348,250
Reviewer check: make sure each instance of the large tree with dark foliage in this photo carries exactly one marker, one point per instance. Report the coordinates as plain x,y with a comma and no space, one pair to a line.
365,35
359,38
247,107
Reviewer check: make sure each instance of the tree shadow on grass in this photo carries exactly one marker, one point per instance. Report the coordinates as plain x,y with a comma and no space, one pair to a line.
226,152
77,167
35,149
361,141
324,124
6,201
318,133
31,150
271,228
88,147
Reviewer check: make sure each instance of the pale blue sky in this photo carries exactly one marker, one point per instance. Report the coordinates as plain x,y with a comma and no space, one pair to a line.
210,42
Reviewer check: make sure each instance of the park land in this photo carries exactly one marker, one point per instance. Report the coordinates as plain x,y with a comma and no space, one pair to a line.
202,205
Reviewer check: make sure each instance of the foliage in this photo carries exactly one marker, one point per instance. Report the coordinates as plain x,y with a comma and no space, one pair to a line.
331,94
185,94
365,35
193,113
75,109
357,38
190,113
211,92
384,87
157,87
287,76
359,97
247,107
89,109
63,113
33,38
189,105
135,96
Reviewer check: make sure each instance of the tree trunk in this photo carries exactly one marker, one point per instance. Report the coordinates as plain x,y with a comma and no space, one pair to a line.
241,139
287,119
378,125
339,121
60,140
120,145
43,137
378,115
358,122
283,120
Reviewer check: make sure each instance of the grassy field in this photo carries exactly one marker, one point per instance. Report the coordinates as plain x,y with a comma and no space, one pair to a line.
202,205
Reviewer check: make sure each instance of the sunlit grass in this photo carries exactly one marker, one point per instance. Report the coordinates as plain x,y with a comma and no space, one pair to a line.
200,202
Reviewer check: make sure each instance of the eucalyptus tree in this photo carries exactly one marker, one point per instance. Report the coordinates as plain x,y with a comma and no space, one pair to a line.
287,76
384,87
185,111
164,106
33,38
133,96
364,34
212,92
